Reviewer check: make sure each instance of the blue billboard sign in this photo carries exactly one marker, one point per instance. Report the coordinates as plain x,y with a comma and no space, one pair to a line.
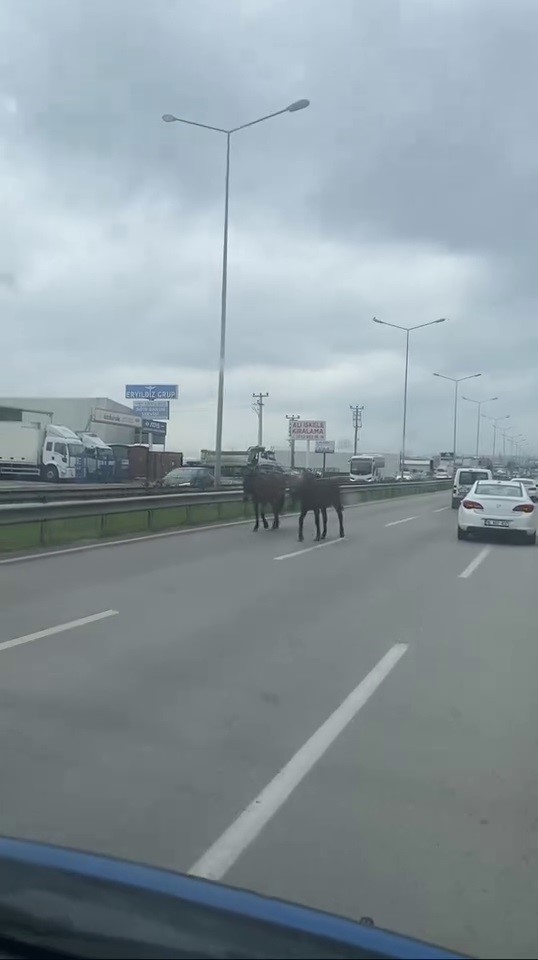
155,427
148,391
154,409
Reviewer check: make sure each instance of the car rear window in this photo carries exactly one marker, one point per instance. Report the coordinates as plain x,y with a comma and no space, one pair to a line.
183,473
471,476
499,490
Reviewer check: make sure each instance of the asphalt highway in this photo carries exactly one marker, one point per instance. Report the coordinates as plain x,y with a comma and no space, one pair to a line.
353,725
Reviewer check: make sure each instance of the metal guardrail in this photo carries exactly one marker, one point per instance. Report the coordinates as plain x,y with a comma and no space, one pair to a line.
27,512
77,492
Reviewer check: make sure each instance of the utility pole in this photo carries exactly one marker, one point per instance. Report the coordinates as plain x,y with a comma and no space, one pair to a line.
290,417
356,412
257,406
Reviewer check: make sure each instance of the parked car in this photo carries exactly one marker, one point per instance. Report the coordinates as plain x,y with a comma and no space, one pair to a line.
530,487
502,505
192,478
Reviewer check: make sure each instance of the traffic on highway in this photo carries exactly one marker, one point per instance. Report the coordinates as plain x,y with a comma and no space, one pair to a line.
268,479
317,732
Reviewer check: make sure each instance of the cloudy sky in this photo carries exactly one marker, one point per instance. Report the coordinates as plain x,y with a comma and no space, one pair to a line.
408,190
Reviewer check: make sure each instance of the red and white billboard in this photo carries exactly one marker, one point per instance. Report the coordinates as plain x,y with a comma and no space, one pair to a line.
307,429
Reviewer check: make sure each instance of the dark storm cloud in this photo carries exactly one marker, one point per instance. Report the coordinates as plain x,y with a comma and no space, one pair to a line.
444,146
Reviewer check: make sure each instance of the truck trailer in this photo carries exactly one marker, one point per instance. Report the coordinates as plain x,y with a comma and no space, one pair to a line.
48,452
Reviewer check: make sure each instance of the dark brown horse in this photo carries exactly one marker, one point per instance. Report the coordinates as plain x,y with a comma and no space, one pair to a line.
317,494
264,488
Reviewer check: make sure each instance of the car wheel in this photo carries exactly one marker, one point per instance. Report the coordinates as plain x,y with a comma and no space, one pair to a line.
532,539
455,503
462,534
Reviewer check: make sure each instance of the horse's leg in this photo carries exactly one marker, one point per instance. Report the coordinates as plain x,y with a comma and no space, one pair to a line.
316,518
277,510
256,515
340,513
264,518
302,515
324,518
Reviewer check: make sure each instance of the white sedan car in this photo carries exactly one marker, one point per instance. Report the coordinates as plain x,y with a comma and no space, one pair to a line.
530,486
502,505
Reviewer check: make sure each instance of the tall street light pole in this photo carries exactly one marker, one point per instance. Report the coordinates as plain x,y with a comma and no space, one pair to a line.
506,436
407,331
170,118
495,421
518,440
479,412
456,381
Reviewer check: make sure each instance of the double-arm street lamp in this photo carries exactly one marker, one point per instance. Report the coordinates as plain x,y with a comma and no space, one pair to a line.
495,421
479,404
170,118
506,436
456,381
407,331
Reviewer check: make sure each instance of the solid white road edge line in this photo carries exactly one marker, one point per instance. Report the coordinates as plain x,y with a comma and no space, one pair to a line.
119,543
475,563
222,855
440,509
394,523
30,637
316,546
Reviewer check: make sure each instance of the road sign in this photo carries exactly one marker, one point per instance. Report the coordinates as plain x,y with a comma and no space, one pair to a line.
154,409
307,429
148,391
156,427
121,419
324,446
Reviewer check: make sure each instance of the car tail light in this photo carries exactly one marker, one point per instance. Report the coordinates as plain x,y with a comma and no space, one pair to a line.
523,508
472,505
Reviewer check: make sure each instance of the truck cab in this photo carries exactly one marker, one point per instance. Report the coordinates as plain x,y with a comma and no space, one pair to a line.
99,458
62,456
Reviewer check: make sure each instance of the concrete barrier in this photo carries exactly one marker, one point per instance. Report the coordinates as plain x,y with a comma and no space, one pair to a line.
32,526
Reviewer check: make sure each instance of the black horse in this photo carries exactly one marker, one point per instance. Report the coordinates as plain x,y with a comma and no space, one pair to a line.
265,487
317,494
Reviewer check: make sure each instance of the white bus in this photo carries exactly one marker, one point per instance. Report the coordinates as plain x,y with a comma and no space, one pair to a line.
366,467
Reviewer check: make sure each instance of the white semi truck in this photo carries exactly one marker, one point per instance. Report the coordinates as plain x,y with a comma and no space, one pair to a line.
32,452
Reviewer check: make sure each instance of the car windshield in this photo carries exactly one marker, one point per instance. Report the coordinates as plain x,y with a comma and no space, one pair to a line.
76,449
498,490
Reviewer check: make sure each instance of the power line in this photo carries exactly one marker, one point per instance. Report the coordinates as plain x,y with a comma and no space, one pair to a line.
258,406
290,417
357,422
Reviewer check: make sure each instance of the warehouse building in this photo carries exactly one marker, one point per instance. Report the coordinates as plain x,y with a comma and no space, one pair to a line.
113,422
